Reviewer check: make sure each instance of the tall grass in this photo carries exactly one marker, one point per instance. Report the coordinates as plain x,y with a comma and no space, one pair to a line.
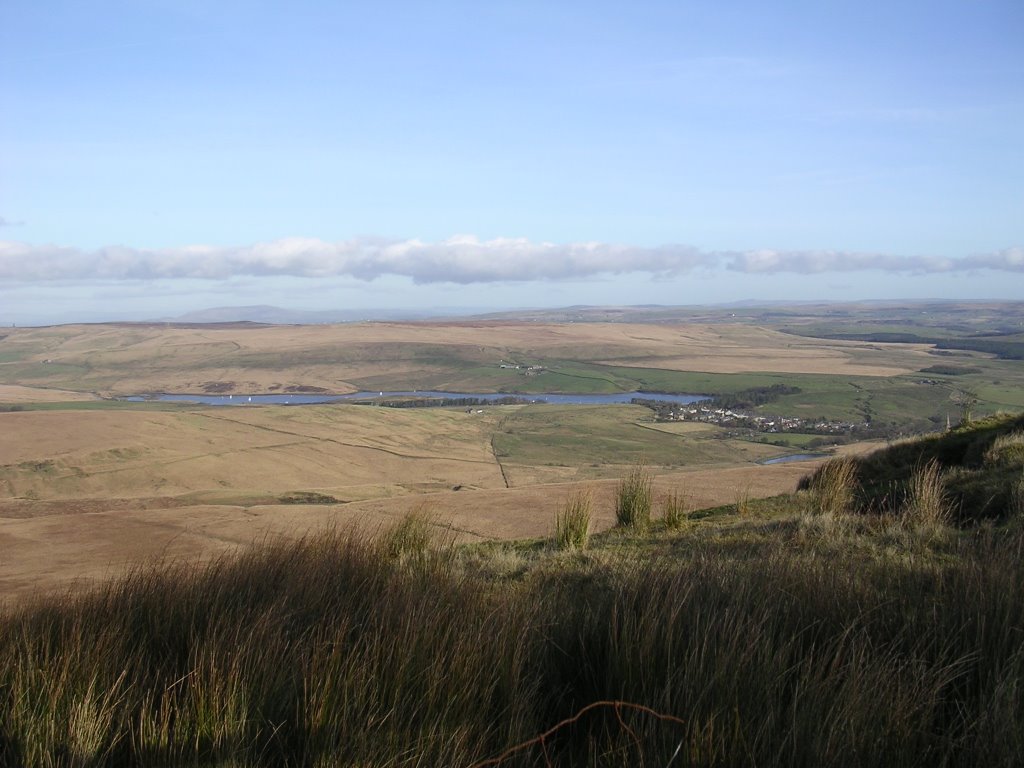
1017,498
926,501
743,505
633,499
412,536
572,522
832,487
981,463
675,510
1007,449
328,652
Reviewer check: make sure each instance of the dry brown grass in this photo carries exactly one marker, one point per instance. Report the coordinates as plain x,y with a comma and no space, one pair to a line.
833,486
573,522
15,393
927,504
50,544
745,349
253,452
82,493
326,653
129,360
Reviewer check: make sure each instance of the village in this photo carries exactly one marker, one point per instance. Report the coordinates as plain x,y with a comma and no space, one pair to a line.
707,412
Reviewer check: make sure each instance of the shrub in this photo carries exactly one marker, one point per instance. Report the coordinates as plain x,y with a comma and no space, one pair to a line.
572,523
951,370
633,499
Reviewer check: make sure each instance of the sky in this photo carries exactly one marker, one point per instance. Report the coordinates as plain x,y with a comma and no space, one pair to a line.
160,157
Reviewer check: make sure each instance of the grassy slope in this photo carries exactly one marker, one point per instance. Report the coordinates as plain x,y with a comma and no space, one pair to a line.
983,464
145,449
608,438
771,637
67,454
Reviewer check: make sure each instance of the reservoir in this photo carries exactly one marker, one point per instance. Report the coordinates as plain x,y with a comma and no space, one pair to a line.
307,399
794,457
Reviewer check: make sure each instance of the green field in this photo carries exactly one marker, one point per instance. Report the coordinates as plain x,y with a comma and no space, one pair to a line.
609,436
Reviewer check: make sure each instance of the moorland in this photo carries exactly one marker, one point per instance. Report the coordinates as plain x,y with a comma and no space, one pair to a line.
350,584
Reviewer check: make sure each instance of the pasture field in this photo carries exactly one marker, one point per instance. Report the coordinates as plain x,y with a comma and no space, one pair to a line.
584,442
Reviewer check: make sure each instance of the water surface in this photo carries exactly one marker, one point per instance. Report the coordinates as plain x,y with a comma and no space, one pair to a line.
794,457
308,399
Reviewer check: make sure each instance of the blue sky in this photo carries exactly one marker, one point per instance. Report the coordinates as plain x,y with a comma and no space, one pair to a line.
158,157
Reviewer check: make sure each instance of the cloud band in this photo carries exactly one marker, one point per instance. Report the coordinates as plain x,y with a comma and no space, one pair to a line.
461,259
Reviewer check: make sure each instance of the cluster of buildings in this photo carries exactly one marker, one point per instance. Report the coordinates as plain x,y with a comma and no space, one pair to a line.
725,417
528,370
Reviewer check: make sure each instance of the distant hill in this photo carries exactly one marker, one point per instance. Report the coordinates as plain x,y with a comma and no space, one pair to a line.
816,319
280,316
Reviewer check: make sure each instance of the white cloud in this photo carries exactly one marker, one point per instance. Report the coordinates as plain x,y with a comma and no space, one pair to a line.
814,262
1008,259
462,259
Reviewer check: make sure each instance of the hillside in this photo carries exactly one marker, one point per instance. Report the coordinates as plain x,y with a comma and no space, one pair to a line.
775,632
981,464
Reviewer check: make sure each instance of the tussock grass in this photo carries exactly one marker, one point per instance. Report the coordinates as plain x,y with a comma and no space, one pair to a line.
744,505
1017,498
980,464
633,499
832,487
789,637
412,536
1007,450
675,510
324,653
572,522
927,503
